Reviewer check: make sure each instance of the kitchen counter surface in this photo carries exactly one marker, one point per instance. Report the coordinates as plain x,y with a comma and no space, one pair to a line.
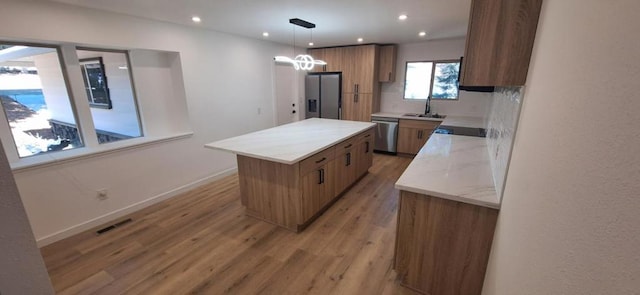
457,121
402,116
452,167
290,143
462,121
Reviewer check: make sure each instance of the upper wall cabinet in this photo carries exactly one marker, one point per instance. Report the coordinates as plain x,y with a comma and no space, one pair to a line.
499,42
387,63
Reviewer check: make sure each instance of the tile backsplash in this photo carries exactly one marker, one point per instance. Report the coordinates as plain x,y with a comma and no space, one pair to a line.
503,119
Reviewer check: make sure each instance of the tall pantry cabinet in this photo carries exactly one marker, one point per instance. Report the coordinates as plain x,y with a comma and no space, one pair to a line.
360,85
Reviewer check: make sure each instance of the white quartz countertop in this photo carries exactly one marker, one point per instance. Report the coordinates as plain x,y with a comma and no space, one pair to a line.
403,116
291,143
448,120
452,167
461,121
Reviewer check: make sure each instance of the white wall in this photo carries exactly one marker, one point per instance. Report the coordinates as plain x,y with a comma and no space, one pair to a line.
22,270
570,217
226,78
472,104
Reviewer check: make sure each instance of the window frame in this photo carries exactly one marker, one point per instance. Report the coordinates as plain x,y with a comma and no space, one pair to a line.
433,75
12,150
81,109
95,60
134,91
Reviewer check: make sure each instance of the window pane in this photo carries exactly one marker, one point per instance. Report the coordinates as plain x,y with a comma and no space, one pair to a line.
445,81
110,94
417,80
35,100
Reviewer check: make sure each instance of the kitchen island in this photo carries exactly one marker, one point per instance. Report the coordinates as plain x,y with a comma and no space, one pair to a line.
291,173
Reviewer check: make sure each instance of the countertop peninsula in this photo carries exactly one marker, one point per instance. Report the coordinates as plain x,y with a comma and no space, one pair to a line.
452,167
291,143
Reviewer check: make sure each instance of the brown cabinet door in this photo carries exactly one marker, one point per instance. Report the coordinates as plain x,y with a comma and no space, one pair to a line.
345,169
365,68
318,54
499,42
312,184
387,63
365,154
363,107
348,69
318,189
328,192
349,111
333,57
411,140
408,140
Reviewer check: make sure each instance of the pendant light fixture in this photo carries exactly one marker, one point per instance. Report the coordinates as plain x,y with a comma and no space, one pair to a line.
302,61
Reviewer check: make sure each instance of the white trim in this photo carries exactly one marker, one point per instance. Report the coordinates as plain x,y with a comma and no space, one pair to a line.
65,233
66,156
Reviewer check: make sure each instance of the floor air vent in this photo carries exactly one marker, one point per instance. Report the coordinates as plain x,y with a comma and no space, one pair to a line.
113,226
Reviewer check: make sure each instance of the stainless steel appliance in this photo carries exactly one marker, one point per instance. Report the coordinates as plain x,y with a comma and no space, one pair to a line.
386,135
323,95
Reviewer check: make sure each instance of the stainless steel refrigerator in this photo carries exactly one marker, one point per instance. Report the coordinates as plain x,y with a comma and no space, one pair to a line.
323,95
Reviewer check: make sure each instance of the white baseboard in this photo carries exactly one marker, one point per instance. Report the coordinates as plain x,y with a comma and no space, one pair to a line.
76,229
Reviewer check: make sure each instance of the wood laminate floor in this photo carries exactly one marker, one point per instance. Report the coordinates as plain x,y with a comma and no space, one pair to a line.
201,242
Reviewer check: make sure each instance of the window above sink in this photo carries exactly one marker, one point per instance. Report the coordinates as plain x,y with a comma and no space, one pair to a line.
431,79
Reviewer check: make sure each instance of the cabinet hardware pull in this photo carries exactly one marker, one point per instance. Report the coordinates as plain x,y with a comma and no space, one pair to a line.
348,146
320,176
367,147
367,135
324,158
419,134
348,155
389,76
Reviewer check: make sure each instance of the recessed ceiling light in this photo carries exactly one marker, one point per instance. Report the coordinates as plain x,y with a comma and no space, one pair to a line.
196,19
265,34
310,43
360,39
402,17
422,34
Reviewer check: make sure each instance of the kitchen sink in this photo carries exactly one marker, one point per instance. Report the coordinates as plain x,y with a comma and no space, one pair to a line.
435,116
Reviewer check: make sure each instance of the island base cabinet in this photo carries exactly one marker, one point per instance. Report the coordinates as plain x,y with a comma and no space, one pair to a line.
270,191
293,195
442,246
318,189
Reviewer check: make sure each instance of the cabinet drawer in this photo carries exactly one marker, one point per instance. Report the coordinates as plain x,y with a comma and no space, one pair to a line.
419,124
346,145
317,160
364,136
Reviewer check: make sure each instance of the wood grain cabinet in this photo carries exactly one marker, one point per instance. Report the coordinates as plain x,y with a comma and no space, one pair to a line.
360,87
346,164
413,134
442,246
293,195
318,175
499,42
364,152
387,63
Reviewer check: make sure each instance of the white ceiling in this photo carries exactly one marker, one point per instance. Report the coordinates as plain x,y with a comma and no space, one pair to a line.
339,22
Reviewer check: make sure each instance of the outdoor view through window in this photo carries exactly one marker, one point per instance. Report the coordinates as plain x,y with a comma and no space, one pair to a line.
436,80
35,100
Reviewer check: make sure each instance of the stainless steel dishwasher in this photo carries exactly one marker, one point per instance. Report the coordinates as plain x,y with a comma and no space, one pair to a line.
386,135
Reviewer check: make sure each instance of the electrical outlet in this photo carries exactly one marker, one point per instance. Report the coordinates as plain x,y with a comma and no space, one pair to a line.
102,195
